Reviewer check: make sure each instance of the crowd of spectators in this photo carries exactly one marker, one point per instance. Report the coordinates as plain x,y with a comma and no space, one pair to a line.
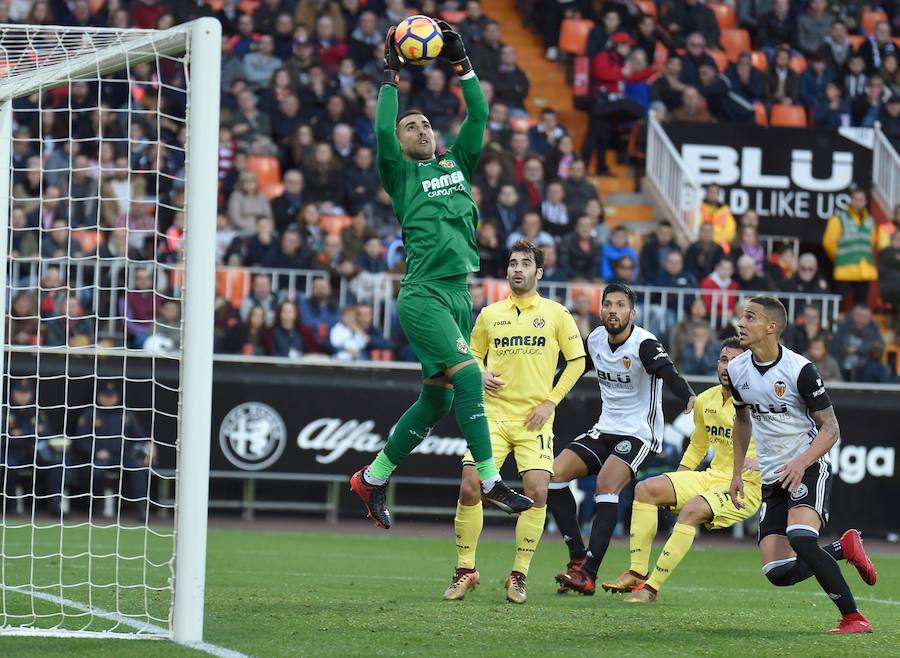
299,84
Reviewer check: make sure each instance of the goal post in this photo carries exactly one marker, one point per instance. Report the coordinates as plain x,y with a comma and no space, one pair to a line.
107,235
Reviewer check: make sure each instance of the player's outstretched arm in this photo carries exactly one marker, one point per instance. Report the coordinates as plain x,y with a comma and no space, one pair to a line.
388,146
470,139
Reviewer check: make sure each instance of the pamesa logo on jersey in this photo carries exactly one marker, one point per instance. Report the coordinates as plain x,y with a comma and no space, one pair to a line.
444,185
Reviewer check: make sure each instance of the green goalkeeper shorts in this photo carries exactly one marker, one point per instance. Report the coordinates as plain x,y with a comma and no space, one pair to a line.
436,317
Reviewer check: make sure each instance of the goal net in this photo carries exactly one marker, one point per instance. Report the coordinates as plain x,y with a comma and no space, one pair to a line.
108,161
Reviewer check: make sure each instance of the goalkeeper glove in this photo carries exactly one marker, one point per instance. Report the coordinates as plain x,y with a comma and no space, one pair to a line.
392,61
454,49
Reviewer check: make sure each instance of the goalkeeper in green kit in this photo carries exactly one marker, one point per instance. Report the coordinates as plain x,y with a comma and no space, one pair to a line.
432,198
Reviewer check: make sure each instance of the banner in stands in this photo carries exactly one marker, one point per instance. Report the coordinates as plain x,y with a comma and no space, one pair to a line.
795,178
332,421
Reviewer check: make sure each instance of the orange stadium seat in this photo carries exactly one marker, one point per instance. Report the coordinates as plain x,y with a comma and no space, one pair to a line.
762,118
334,224
522,124
593,293
759,60
272,190
453,16
871,18
647,7
660,56
248,6
581,76
266,168
88,238
798,64
734,42
232,285
721,59
573,35
856,40
724,14
788,116
495,290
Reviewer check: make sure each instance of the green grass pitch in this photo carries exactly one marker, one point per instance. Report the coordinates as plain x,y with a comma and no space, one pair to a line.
379,594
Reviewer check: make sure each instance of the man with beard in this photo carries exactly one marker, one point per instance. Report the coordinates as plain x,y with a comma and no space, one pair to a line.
631,367
522,337
698,497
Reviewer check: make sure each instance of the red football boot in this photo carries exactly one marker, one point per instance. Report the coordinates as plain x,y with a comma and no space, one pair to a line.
854,552
853,623
373,498
578,580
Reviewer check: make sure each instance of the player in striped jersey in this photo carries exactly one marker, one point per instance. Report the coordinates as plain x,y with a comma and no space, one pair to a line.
631,367
780,396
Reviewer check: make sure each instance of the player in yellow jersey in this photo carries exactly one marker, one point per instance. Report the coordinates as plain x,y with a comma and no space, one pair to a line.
697,496
522,338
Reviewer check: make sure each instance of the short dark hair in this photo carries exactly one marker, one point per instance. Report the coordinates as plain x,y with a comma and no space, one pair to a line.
622,288
733,343
773,308
409,112
528,247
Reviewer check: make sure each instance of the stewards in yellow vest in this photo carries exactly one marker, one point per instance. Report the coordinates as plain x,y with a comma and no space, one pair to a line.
849,240
719,215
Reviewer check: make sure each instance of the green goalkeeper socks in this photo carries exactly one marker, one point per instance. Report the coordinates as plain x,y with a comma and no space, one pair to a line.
469,392
433,404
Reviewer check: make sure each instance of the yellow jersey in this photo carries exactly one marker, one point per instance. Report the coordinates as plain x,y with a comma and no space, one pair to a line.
713,425
522,340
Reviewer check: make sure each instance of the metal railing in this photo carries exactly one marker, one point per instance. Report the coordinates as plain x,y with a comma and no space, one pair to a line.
677,188
658,307
886,171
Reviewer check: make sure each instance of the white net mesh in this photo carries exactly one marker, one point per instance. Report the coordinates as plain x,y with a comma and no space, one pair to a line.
91,391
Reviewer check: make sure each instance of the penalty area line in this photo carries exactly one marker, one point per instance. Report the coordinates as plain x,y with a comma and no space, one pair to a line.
151,631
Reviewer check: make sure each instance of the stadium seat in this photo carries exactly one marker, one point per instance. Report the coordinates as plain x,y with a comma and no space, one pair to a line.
660,56
759,60
762,117
88,238
232,285
721,59
522,124
495,290
453,16
266,168
593,293
734,42
788,116
724,14
647,7
856,40
871,18
248,6
272,190
573,35
798,64
334,224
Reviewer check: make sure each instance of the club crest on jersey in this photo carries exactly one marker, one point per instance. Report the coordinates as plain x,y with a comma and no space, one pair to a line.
538,323
622,447
446,163
461,346
626,361
800,492
780,388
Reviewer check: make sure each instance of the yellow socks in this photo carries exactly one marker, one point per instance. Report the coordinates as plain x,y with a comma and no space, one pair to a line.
644,521
675,549
468,523
529,529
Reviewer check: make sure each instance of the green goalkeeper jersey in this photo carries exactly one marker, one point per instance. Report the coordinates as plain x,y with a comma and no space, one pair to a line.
433,199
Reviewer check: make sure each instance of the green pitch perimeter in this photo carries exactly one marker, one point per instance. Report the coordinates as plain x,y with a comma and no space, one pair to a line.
292,594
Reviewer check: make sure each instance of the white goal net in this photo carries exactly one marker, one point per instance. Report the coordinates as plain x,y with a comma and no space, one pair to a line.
111,182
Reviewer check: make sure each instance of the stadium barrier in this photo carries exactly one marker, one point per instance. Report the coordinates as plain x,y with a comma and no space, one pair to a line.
886,171
380,291
281,430
676,186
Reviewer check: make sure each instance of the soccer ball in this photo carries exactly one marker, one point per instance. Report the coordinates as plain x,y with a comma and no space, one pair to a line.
418,39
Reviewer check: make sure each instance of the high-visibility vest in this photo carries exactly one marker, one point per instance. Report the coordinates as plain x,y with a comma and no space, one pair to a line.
855,244
718,216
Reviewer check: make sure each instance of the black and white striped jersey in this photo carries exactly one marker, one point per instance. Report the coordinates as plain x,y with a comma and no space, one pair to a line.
781,397
629,388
